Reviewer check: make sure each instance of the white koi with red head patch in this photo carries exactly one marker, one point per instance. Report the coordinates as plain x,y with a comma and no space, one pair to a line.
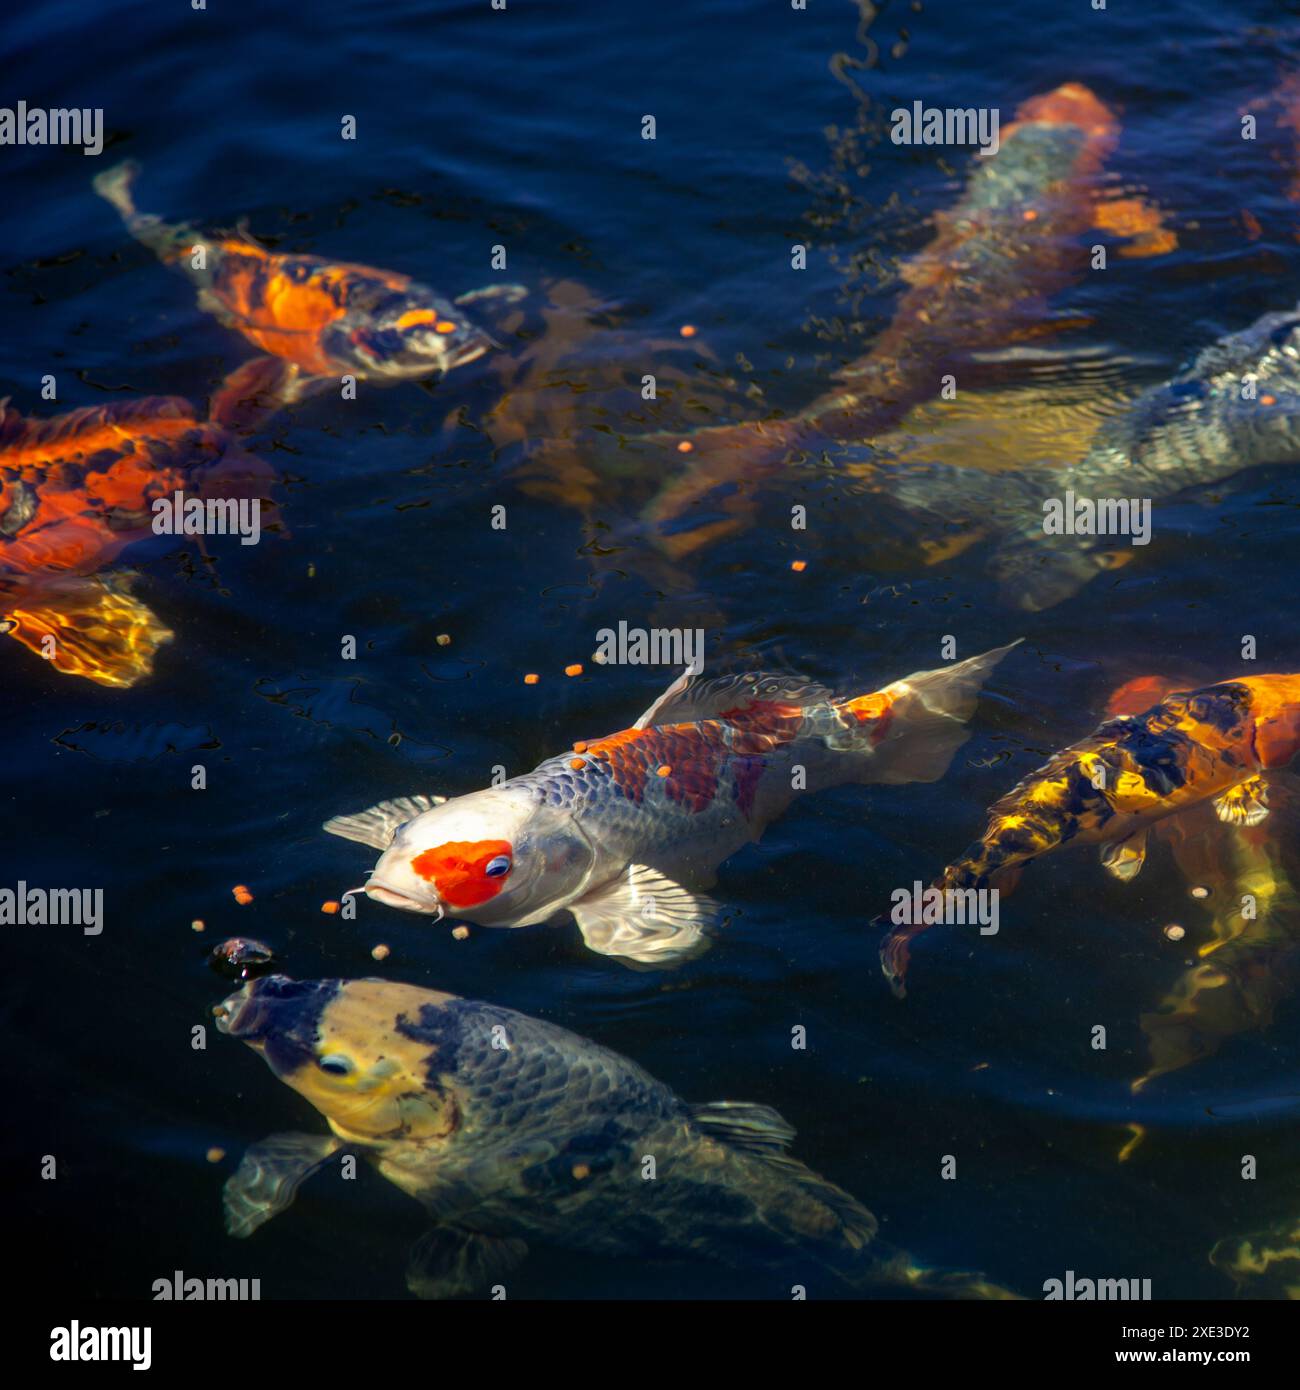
625,830
498,857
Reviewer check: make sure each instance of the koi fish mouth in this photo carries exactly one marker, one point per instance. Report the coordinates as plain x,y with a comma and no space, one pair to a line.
382,893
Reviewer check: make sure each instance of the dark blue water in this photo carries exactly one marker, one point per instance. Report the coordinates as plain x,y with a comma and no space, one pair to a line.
478,128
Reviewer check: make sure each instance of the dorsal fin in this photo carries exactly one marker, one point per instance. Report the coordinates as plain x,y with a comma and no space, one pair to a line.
376,826
757,1129
92,417
689,698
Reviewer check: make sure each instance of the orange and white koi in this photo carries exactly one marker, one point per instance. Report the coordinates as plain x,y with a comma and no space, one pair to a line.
324,319
1013,239
624,830
1215,743
77,489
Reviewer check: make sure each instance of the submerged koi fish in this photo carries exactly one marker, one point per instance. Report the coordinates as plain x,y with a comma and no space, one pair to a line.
623,830
1243,917
1011,241
323,318
77,489
1213,744
509,1130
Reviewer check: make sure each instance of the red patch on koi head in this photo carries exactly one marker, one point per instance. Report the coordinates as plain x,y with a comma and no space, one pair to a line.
459,870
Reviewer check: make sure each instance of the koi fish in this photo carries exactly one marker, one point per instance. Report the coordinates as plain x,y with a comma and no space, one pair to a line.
1011,241
1203,426
324,319
510,1130
1245,947
623,831
77,489
1213,744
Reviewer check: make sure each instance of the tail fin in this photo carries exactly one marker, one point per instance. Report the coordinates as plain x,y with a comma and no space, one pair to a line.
915,725
114,186
91,628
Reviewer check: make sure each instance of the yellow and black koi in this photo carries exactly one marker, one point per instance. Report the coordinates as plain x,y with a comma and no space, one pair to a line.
324,319
1208,744
512,1131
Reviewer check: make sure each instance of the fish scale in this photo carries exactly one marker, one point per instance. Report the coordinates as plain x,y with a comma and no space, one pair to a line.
509,1129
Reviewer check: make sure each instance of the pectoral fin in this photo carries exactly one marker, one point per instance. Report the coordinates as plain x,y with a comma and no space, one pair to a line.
1139,222
91,628
757,1129
1125,858
376,826
643,917
253,392
448,1261
269,1176
1244,804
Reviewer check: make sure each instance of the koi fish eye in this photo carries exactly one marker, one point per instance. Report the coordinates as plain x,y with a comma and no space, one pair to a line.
498,867
336,1064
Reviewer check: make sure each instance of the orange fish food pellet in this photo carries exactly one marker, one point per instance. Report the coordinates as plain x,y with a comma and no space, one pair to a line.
330,906
574,670
242,895
531,678
798,566
380,952
663,771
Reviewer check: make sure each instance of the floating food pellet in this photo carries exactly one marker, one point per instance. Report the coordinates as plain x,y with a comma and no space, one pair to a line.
599,658
198,924
580,746
241,958
531,678
242,895
443,639
1030,215
798,566
580,1171
1174,932
577,764
460,933
330,907
444,326
685,447
687,330
1268,400
574,670
215,1155
663,770
380,952
1200,891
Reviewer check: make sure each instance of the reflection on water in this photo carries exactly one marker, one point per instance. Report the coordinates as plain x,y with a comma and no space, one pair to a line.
663,310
